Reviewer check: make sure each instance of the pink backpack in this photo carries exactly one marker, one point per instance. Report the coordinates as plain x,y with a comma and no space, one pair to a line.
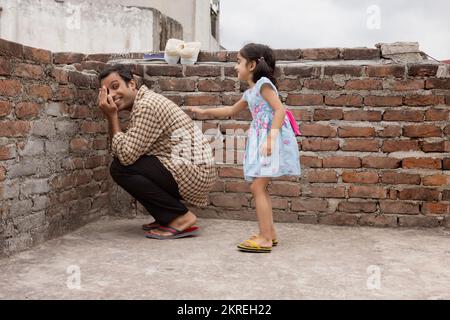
294,124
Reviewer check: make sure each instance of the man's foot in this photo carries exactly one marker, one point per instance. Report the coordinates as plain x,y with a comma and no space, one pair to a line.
180,223
150,226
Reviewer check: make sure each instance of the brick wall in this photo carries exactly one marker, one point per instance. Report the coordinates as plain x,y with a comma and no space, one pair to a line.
53,148
374,151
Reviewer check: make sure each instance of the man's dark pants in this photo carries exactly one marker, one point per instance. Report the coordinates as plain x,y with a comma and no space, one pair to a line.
150,183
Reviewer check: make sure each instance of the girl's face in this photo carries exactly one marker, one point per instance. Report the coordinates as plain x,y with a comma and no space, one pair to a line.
244,69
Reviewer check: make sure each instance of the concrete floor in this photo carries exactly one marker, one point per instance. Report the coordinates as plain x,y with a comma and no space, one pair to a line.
311,262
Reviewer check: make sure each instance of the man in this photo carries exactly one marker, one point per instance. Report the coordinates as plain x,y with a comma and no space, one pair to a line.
147,163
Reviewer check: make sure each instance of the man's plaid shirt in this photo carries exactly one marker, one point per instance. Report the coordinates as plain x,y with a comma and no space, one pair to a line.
159,127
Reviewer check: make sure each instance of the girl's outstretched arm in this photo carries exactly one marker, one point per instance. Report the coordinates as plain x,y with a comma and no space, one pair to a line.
222,112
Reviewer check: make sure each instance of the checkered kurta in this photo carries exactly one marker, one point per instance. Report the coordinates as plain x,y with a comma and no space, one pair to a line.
159,127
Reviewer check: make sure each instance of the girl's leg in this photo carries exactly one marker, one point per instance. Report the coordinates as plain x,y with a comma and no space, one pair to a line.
263,211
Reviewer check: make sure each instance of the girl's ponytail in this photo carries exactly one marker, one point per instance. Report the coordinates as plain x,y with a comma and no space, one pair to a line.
263,70
264,58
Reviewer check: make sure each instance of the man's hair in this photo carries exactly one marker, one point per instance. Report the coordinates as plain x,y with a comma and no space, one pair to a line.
122,70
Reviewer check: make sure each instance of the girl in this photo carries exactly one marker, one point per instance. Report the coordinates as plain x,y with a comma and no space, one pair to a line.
271,149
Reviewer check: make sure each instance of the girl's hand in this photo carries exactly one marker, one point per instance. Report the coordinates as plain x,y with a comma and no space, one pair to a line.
267,147
197,110
106,103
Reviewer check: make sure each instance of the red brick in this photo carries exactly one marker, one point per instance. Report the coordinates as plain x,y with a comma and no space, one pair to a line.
302,72
365,84
40,91
424,163
438,84
361,54
93,162
217,56
79,112
164,70
216,85
363,145
441,146
436,180
313,162
316,84
5,67
328,114
342,162
27,110
2,173
418,221
237,187
422,131
203,71
284,189
344,100
435,208
289,85
357,206
390,131
355,71
383,101
400,145
362,115
327,192
322,176
318,130
9,48
400,207
287,54
60,75
229,200
373,192
5,108
64,93
348,131
304,99
177,85
381,162
422,70
202,100
100,144
230,172
405,85
397,71
320,145
377,220
67,58
423,194
423,100
79,144
312,204
94,65
14,128
7,152
403,115
10,87
437,115
359,177
321,54
37,55
339,219
399,178
29,71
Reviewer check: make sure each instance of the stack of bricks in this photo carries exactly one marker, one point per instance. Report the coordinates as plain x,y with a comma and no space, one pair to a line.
53,148
374,149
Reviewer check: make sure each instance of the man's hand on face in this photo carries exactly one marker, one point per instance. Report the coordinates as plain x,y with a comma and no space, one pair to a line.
106,103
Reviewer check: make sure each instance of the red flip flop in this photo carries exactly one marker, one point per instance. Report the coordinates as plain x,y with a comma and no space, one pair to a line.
150,226
175,233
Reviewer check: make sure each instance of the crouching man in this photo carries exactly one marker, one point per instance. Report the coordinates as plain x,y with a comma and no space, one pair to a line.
161,159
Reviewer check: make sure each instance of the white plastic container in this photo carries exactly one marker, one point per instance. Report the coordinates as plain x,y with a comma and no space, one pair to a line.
173,50
189,53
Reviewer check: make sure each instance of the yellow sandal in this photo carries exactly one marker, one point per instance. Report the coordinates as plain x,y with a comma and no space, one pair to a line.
252,246
274,241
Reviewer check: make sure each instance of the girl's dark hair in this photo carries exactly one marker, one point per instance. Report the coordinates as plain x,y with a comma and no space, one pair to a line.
264,58
122,70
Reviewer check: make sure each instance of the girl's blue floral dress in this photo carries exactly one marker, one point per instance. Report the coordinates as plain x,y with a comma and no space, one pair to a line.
285,158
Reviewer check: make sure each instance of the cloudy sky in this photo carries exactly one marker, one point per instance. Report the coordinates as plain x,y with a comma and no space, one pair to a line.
336,23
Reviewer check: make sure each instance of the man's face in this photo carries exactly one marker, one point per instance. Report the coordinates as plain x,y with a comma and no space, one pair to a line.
122,94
